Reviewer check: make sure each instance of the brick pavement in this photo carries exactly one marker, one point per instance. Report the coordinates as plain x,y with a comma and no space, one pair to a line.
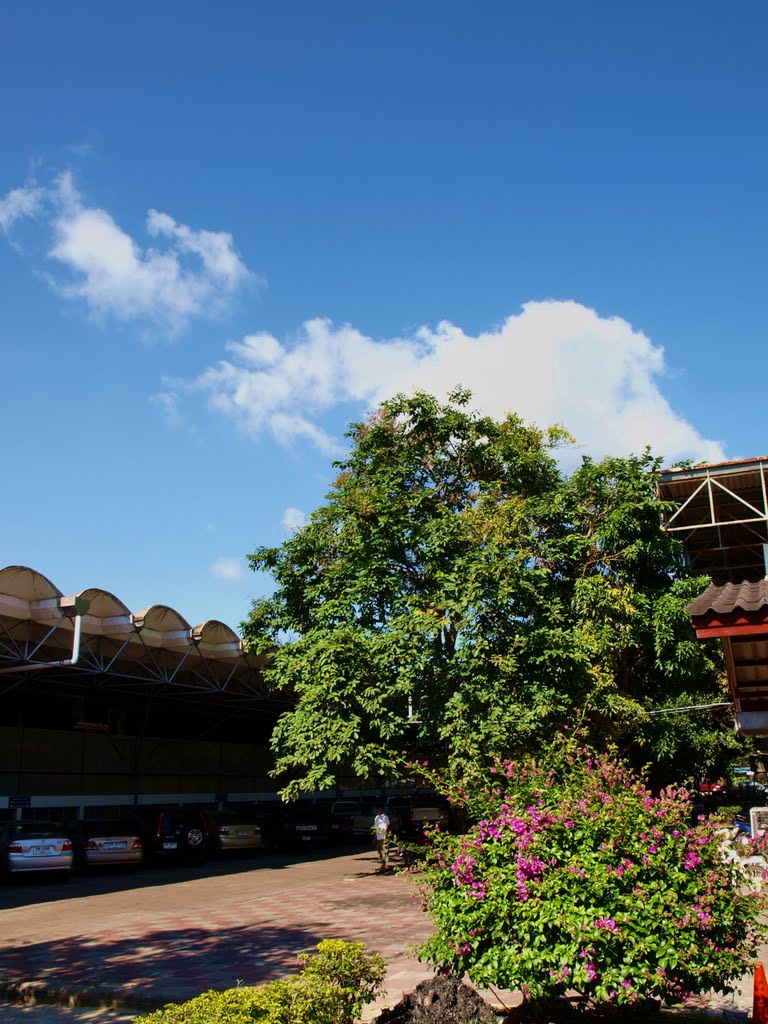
148,946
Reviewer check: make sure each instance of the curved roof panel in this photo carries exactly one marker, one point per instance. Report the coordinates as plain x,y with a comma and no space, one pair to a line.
103,605
27,584
160,618
215,633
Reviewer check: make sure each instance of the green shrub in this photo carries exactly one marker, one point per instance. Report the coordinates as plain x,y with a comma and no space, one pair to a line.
349,966
725,815
332,988
235,1006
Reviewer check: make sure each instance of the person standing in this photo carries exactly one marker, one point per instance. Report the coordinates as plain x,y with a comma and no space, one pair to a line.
381,835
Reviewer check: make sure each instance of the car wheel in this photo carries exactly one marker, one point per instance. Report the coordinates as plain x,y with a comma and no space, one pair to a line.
195,843
195,837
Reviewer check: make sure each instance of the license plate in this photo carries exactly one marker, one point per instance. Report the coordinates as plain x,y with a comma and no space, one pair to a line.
241,833
115,844
42,851
306,839
169,846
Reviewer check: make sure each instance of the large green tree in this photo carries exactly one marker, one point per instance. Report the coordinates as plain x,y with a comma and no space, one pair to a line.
459,598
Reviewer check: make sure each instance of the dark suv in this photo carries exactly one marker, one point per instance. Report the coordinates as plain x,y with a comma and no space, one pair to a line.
171,833
307,823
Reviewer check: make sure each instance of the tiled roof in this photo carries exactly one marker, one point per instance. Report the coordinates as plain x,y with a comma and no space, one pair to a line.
746,596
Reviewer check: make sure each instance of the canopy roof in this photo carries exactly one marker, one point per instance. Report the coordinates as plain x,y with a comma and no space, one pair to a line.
155,645
720,513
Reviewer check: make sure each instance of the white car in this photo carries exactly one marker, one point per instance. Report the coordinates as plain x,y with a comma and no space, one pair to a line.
35,846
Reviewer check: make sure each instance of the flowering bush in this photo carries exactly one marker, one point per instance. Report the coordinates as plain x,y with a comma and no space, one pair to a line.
577,879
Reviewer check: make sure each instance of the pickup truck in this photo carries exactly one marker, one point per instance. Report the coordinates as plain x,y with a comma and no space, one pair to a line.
350,820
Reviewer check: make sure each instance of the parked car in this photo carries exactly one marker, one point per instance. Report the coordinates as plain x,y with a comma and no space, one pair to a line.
270,816
171,833
349,821
362,824
237,831
744,795
35,846
398,809
412,816
307,823
106,844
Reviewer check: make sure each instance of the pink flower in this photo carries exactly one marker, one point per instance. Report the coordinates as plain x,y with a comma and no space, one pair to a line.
607,923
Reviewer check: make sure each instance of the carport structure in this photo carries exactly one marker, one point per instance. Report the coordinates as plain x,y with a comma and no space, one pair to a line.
720,513
129,705
39,631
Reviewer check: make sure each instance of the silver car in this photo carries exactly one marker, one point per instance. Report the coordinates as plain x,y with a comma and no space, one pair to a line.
35,846
107,844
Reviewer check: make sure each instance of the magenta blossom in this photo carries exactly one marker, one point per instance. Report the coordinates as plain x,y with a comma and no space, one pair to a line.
607,923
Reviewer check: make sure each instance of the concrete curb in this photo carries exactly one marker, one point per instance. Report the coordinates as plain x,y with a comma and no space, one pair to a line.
32,991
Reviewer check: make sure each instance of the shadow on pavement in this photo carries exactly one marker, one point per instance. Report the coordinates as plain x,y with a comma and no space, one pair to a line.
159,967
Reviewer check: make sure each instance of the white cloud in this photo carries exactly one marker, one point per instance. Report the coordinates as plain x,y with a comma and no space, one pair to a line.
293,519
228,568
215,248
27,201
194,273
168,404
554,362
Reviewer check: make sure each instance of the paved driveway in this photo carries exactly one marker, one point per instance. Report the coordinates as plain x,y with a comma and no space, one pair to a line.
169,934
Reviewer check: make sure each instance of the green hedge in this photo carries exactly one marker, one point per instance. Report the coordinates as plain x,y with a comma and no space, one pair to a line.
332,988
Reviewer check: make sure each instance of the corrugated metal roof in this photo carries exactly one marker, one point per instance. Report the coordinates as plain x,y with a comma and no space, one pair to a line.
680,471
746,596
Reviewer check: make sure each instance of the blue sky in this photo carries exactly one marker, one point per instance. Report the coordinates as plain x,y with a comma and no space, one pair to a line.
227,231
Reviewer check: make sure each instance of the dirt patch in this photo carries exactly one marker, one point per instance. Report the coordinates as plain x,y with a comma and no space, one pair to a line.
439,1001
